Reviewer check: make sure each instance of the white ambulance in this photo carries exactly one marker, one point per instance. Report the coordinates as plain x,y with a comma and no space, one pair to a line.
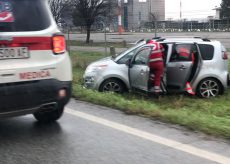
35,68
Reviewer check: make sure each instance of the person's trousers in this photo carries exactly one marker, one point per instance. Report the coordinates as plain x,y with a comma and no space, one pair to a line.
157,68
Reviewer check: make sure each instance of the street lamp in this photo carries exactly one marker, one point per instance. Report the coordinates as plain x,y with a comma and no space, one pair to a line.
104,27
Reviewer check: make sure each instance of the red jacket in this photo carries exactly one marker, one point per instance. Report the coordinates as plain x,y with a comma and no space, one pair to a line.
157,52
185,54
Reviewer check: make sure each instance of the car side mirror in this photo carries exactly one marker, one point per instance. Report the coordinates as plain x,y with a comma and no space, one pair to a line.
114,56
128,63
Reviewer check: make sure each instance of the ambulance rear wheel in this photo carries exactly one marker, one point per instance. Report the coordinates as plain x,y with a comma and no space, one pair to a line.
49,116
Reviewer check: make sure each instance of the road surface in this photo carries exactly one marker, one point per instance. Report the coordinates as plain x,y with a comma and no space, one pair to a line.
91,134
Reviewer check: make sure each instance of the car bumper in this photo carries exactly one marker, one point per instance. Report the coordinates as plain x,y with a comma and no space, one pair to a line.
89,82
29,97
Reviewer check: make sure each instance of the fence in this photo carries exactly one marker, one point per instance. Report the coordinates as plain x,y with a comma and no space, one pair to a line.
187,26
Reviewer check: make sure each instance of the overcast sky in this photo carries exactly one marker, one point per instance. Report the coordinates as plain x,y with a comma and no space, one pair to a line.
190,8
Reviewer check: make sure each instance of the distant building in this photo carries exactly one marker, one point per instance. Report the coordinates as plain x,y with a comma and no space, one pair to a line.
217,16
137,12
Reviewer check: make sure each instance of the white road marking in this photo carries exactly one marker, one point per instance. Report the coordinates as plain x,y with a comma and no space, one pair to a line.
154,138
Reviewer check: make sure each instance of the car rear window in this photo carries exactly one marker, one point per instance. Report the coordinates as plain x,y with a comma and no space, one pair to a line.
23,15
207,51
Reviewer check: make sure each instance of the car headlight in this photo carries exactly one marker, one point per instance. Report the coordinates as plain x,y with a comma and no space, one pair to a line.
90,69
95,68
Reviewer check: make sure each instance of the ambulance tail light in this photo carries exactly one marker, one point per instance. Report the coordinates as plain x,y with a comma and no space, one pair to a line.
225,55
59,44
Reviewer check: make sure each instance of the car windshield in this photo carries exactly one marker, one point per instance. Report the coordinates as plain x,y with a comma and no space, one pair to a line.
23,15
126,51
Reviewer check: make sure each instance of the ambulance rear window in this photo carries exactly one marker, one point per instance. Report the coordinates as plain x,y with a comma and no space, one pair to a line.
23,15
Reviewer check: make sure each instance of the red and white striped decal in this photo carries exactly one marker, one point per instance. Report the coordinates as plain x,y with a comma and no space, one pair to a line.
33,43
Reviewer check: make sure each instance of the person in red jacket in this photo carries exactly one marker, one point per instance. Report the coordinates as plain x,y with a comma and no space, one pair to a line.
186,54
156,64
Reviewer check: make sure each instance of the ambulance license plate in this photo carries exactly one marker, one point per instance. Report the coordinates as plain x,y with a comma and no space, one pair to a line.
14,53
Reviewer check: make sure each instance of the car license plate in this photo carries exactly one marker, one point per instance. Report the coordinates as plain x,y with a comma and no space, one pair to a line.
14,53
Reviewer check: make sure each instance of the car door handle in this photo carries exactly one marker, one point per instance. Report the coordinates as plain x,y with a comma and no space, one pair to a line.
182,67
142,72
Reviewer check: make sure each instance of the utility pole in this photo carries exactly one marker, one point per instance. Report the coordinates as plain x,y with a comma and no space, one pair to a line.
181,22
105,41
150,6
155,24
228,24
120,28
180,10
104,27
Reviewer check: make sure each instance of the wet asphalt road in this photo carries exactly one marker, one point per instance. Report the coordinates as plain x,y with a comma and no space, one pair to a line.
76,140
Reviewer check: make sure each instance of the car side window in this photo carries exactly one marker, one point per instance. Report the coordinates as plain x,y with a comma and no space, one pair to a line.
207,51
182,52
142,56
126,57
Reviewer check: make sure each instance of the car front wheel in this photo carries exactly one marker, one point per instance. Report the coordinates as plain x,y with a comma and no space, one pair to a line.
112,85
209,87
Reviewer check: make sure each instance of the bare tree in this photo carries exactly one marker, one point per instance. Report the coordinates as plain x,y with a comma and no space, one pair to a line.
154,18
111,12
87,11
58,7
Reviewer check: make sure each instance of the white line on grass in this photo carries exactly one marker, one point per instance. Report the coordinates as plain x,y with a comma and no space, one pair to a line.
151,137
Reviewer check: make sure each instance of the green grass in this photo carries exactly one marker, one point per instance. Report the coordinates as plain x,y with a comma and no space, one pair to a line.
211,116
83,59
98,44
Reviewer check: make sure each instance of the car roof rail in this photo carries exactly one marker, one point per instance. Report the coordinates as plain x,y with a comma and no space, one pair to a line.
160,40
138,41
206,40
182,37
158,37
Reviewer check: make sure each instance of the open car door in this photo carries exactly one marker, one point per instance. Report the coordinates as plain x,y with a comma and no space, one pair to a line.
139,69
179,66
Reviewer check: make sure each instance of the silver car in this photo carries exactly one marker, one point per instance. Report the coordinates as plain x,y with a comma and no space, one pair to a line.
207,72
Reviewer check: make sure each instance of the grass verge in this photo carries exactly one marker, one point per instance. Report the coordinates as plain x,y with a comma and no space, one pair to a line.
211,116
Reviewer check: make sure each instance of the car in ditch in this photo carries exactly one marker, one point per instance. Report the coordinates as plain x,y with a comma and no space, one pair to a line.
206,69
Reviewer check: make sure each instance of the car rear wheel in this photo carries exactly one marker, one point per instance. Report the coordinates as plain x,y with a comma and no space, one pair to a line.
49,116
112,85
209,87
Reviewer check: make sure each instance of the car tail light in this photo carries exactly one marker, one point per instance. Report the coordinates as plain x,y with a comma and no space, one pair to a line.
225,56
59,44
